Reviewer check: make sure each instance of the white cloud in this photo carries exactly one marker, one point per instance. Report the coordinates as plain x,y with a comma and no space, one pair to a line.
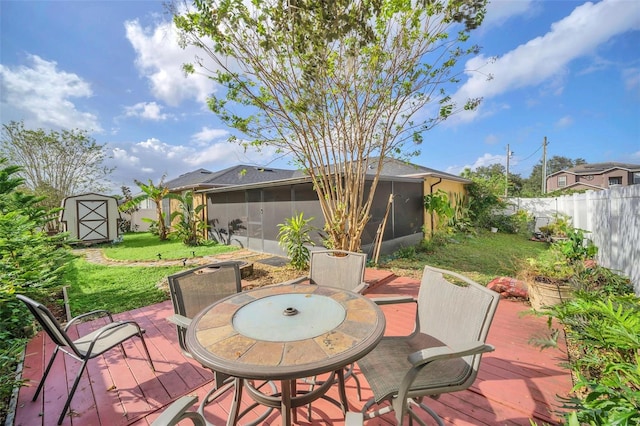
564,122
544,58
491,139
207,135
499,11
153,158
160,60
631,77
147,110
41,95
485,160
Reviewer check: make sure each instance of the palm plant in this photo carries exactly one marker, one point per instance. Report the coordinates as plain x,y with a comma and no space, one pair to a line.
189,225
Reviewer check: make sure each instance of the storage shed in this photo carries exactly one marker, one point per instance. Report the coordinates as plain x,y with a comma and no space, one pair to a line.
90,218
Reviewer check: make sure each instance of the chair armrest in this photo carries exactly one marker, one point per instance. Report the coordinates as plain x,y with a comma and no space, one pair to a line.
175,412
104,329
88,314
354,419
392,300
179,320
443,352
361,288
295,281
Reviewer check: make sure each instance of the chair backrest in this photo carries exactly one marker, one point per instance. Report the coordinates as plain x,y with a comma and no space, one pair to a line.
337,268
453,312
195,289
48,322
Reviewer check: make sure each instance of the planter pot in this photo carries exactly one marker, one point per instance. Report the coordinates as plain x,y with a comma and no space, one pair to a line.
548,294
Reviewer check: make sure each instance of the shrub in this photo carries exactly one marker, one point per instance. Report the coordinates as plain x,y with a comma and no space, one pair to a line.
294,237
30,261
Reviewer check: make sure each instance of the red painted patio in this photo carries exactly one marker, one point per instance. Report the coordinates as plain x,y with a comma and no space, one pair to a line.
516,383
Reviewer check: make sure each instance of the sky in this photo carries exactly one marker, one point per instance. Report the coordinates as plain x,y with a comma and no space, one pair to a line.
564,70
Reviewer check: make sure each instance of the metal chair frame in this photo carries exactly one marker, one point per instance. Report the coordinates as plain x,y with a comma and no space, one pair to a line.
85,347
442,354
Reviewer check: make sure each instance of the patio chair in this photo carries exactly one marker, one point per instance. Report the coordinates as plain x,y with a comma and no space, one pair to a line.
177,412
193,290
337,268
441,355
86,347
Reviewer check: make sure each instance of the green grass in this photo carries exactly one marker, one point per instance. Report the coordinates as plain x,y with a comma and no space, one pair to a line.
146,246
114,288
481,258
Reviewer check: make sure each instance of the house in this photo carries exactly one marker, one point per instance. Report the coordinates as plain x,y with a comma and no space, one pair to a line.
594,176
203,179
249,214
245,204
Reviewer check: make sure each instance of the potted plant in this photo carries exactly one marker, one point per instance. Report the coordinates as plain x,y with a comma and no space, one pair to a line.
556,230
553,276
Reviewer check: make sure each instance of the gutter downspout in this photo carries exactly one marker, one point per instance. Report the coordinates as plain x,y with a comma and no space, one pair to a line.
431,193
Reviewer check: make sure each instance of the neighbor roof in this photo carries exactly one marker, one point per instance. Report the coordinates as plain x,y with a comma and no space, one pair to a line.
597,168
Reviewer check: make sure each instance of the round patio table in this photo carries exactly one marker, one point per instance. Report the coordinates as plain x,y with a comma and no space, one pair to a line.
284,333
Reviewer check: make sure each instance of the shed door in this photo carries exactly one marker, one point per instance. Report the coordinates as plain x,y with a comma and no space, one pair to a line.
93,220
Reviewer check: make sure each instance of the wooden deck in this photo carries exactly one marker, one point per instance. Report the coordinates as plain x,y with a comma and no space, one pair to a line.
516,383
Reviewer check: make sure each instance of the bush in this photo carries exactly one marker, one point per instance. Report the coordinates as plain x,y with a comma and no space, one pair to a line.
605,334
294,237
30,262
602,326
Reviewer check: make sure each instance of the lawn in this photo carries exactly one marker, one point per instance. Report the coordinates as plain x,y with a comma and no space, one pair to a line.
115,288
482,257
122,288
146,246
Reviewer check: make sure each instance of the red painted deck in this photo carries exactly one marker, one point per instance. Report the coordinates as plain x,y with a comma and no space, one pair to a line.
516,383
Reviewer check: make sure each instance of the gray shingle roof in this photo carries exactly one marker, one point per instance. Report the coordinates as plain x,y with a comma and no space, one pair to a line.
601,167
190,179
236,175
394,167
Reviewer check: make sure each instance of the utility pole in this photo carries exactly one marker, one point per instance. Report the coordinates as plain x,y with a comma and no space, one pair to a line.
506,187
544,166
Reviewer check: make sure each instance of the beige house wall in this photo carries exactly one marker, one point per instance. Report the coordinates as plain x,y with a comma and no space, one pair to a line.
594,181
198,199
454,190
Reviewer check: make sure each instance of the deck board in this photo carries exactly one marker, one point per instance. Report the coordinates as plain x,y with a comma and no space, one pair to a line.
517,382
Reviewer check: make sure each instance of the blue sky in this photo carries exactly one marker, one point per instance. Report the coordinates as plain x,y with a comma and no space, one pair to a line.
567,70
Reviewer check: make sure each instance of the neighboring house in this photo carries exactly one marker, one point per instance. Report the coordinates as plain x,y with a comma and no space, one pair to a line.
90,218
594,176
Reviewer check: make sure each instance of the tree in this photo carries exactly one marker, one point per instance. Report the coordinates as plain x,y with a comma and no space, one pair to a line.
334,84
155,194
533,185
485,193
55,164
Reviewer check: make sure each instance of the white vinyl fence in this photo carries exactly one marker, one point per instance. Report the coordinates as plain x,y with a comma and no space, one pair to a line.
611,216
